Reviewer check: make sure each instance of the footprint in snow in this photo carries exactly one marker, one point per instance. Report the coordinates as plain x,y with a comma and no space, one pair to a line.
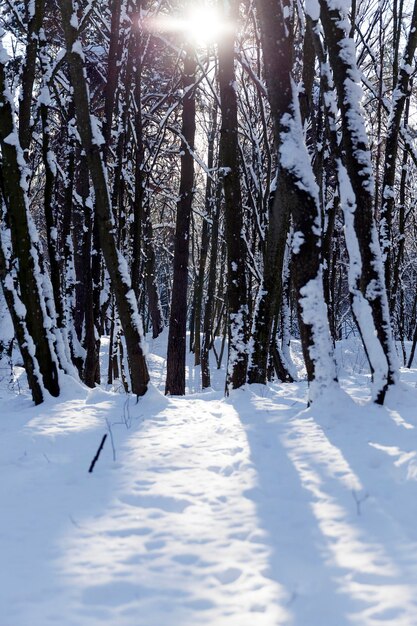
225,470
165,503
229,575
185,559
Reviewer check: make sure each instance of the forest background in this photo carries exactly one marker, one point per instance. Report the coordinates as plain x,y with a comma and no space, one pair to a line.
248,172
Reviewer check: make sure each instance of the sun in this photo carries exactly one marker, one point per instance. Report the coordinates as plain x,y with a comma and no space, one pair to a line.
201,25
204,25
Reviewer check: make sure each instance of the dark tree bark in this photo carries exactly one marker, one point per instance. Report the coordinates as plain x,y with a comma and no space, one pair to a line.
139,162
211,291
271,286
35,14
113,70
205,240
237,289
115,263
175,380
154,302
91,339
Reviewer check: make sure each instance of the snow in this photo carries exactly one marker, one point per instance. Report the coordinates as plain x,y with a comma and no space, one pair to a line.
293,153
98,138
4,56
312,9
314,312
78,49
238,343
297,241
213,511
74,21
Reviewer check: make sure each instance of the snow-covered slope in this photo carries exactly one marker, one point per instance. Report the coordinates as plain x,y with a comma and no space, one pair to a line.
245,511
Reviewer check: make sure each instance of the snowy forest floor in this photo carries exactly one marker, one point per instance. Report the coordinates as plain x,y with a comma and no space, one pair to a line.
203,510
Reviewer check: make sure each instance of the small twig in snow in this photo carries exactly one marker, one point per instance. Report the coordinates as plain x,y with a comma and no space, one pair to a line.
94,461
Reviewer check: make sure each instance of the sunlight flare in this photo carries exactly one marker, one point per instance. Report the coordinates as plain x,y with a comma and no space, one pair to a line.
201,25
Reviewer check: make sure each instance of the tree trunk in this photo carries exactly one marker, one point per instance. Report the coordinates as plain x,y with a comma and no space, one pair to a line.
237,291
175,380
115,263
14,305
35,19
205,240
298,194
22,231
366,277
211,290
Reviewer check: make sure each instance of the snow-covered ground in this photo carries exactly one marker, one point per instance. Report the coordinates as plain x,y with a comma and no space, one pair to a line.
203,510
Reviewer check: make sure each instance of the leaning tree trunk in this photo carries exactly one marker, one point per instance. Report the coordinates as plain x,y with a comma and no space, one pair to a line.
298,192
237,290
366,276
175,380
115,263
33,314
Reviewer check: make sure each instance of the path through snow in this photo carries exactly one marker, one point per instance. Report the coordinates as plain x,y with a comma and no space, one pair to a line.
223,512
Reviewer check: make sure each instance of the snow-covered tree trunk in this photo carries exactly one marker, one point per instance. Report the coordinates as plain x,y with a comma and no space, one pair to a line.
366,276
237,290
50,167
91,140
17,313
69,279
298,194
32,324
